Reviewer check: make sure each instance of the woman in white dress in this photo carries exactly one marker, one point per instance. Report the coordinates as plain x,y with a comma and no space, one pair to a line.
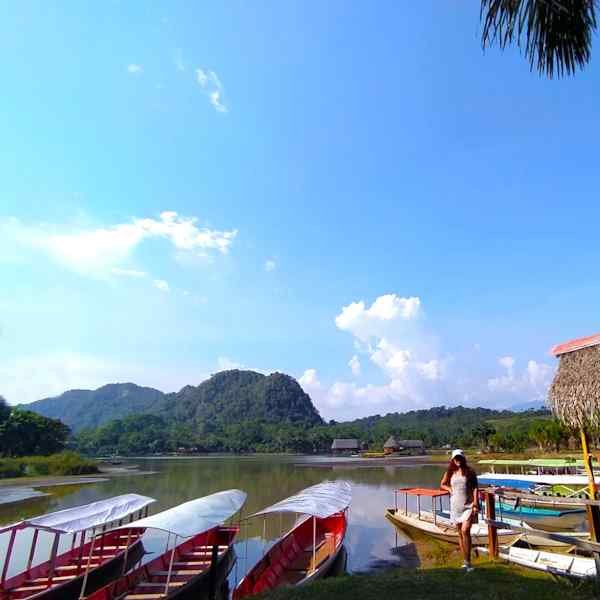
461,481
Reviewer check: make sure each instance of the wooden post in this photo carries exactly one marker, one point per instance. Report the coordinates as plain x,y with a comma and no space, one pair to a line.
212,575
587,461
490,511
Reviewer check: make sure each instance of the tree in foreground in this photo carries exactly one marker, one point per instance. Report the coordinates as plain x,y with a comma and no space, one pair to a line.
555,35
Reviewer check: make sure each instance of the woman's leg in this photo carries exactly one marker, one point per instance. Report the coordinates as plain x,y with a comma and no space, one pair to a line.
465,532
460,538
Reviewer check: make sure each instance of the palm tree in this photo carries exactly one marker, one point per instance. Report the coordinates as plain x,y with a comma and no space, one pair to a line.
556,35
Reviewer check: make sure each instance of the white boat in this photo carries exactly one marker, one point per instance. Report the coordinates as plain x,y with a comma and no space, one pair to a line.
436,523
565,565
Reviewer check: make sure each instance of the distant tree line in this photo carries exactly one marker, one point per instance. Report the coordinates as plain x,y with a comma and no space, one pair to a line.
24,433
458,426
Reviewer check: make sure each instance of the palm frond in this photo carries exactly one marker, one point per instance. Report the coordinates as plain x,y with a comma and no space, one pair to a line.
556,35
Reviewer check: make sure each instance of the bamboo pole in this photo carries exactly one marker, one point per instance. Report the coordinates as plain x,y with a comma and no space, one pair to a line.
587,461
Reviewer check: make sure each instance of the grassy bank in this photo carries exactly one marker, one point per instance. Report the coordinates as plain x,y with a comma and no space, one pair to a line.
64,463
488,582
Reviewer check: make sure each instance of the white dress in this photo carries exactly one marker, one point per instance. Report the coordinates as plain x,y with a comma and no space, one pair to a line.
461,503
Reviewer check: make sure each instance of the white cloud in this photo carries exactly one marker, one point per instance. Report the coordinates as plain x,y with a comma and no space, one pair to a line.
179,64
270,265
162,285
128,273
508,362
212,87
134,69
531,384
366,323
393,334
99,251
225,363
309,380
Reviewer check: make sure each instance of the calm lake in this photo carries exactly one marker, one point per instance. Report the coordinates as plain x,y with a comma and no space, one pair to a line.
371,541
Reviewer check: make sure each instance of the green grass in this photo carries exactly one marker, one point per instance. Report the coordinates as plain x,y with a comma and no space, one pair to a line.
64,463
488,581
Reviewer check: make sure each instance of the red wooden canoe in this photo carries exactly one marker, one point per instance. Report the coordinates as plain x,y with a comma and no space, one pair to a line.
187,574
93,562
295,559
310,548
192,569
62,578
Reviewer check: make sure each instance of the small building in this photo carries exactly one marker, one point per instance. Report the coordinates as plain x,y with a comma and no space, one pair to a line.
345,445
391,445
411,446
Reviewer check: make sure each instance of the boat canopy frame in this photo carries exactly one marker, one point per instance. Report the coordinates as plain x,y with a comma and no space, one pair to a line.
321,501
76,520
419,492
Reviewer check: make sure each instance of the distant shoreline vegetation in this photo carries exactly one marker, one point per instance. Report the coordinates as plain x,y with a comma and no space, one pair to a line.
242,412
63,463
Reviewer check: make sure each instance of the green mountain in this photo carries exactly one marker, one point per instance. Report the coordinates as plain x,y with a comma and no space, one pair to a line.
227,398
82,409
234,396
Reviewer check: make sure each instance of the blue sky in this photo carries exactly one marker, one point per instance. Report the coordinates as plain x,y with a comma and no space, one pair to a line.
190,187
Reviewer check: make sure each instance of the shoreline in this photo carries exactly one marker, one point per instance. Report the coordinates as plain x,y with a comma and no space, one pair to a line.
20,489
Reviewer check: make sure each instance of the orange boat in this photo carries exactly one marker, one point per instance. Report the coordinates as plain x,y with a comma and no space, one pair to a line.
92,559
309,550
193,568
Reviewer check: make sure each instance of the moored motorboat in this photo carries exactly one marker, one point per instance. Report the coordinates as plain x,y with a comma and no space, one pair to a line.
547,519
94,557
309,550
565,565
199,560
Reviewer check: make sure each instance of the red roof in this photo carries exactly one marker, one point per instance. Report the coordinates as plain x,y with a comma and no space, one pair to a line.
423,492
578,344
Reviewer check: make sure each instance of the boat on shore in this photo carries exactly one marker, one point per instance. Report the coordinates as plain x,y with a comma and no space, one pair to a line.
310,549
436,522
200,559
93,559
563,565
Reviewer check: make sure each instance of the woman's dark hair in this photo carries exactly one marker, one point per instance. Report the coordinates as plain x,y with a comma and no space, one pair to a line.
464,469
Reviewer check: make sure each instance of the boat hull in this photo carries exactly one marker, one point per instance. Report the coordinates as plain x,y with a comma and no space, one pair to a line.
441,531
195,574
15,588
293,560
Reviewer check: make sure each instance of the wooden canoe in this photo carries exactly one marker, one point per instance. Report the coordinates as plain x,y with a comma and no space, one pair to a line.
62,578
191,576
294,560
441,528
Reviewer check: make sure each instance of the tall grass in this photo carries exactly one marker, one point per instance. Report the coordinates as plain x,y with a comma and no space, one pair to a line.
63,463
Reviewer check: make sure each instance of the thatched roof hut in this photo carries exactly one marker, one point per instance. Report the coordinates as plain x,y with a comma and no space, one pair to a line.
574,395
392,443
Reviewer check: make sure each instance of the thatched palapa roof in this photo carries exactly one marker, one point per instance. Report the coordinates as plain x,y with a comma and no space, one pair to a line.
345,444
574,395
391,443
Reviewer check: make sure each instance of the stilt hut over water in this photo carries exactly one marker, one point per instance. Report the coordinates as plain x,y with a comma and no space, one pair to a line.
574,395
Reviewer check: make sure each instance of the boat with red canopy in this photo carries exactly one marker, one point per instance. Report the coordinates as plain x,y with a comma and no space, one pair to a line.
435,522
309,550
93,557
201,557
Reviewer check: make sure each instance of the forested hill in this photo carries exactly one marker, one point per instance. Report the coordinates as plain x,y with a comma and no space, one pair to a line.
234,396
228,397
81,409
